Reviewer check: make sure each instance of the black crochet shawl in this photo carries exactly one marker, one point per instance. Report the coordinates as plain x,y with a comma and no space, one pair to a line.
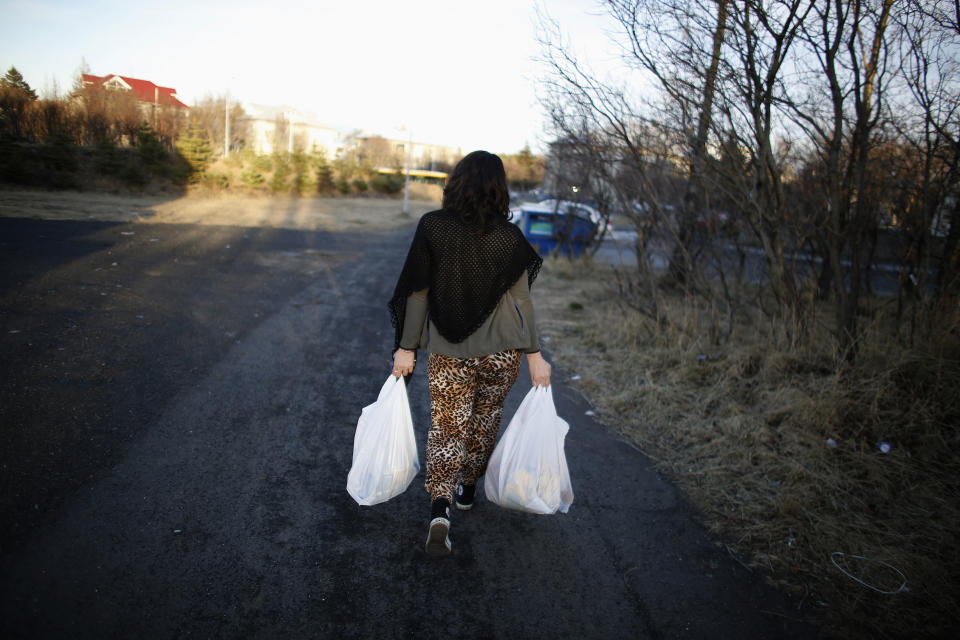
467,269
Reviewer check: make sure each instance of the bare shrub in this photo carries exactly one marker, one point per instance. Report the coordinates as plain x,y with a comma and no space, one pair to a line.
778,446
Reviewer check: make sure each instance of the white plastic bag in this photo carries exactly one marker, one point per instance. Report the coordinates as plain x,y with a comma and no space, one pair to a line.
384,448
528,469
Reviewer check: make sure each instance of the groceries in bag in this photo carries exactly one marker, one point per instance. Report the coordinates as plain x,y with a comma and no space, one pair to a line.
384,448
528,468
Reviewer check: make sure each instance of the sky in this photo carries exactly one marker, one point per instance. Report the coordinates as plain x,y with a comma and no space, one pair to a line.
453,73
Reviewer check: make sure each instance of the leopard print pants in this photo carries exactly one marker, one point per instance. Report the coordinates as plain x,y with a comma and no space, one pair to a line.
466,404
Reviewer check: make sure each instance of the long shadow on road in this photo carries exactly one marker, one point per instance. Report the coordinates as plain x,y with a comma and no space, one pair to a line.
220,509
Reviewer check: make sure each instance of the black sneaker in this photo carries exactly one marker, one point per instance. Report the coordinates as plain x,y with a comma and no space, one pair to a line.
464,499
438,542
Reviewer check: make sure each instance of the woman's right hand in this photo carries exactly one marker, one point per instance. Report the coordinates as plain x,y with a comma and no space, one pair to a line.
539,369
404,361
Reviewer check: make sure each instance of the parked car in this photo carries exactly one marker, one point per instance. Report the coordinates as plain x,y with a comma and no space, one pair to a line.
554,224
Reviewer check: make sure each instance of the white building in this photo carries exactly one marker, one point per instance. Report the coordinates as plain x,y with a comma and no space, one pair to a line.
285,129
423,155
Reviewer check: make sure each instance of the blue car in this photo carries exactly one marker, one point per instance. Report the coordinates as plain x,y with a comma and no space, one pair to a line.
552,225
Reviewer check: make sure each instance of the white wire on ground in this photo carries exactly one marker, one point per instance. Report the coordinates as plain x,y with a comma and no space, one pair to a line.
903,586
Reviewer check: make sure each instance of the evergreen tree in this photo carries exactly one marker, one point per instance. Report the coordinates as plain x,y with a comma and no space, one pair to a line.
281,171
149,145
322,171
13,80
300,167
196,151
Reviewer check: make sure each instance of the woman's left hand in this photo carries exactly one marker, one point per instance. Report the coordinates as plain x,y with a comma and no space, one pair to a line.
404,362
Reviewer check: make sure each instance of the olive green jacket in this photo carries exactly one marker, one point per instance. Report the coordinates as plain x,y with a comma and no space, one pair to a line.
511,325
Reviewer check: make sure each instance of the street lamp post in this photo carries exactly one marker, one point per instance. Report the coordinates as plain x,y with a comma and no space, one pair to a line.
406,180
226,125
226,117
290,121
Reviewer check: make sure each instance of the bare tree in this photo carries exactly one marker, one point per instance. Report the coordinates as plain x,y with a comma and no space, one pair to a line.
761,40
108,115
209,115
666,44
845,47
582,107
377,152
931,36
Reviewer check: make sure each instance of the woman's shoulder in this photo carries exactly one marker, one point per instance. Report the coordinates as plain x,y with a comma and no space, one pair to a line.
506,227
447,219
437,216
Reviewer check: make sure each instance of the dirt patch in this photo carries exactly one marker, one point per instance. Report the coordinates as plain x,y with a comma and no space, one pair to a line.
838,483
286,212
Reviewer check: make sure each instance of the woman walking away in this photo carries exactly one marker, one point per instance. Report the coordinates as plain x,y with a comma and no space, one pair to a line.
464,297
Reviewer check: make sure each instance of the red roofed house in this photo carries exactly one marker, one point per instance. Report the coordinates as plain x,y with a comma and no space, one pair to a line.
144,90
157,105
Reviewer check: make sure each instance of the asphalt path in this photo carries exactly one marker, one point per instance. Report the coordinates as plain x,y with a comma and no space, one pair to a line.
177,418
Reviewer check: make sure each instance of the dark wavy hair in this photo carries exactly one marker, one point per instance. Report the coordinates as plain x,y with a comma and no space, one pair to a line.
477,189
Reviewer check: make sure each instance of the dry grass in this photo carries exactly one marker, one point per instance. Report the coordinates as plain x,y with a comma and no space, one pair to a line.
305,213
743,429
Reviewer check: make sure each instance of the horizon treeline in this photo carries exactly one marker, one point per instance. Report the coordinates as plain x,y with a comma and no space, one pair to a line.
96,138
